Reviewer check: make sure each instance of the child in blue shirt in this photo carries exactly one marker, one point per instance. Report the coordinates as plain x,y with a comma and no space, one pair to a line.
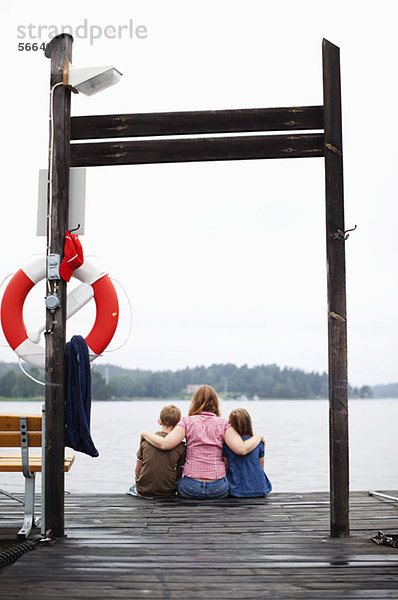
245,474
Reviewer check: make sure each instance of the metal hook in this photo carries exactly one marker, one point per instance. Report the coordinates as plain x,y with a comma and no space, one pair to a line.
341,235
76,228
345,233
49,331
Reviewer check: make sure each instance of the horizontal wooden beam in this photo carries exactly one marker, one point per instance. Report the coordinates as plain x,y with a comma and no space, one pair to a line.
197,122
196,149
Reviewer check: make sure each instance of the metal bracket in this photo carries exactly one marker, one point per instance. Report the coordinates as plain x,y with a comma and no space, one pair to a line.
379,495
23,427
29,516
12,497
53,263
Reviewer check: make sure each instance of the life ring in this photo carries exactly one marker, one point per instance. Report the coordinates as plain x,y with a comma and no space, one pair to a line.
100,287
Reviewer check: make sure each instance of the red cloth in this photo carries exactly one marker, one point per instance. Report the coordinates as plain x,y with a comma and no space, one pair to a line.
73,256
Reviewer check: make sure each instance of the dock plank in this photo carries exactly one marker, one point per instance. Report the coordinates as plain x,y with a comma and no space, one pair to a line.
118,546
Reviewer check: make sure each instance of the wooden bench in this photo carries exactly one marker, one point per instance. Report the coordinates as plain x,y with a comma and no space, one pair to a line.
25,432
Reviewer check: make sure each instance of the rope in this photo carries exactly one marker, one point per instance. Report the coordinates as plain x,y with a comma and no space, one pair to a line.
10,555
130,328
28,374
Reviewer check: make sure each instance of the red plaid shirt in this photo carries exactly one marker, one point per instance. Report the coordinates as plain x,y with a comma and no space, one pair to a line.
204,434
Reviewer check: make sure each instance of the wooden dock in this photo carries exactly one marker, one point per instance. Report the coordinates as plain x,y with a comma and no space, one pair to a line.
119,546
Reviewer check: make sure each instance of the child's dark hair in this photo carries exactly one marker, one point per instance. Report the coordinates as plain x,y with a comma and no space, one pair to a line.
241,421
170,415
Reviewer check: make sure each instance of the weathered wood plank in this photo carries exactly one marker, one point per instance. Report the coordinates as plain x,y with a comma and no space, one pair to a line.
196,122
59,50
336,289
196,149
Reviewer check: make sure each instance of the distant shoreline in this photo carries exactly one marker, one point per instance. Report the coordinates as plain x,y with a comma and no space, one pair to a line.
188,399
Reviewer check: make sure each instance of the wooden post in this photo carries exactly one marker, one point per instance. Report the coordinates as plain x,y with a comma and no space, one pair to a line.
59,50
337,318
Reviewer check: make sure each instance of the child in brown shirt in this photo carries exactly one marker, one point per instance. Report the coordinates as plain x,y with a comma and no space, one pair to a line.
157,471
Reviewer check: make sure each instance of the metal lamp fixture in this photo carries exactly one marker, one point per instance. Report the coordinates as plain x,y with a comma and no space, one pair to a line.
89,80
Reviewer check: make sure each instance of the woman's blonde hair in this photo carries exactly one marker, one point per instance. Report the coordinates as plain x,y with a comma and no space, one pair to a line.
241,421
204,399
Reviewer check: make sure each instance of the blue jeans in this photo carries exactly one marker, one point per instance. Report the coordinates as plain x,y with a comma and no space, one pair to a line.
188,487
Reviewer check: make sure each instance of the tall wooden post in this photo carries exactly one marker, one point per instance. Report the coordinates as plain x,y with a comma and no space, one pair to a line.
59,50
337,317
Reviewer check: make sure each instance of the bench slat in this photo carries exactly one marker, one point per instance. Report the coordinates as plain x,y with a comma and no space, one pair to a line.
10,439
14,463
11,422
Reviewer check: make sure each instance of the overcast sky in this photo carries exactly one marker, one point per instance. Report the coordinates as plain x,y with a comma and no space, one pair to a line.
224,261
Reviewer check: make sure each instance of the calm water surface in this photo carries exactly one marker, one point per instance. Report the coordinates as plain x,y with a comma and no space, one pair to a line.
296,434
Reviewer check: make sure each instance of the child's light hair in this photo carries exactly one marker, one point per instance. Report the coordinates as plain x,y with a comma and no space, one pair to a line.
205,399
241,421
170,415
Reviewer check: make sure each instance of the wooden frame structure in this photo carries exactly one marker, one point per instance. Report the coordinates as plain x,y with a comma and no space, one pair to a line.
325,140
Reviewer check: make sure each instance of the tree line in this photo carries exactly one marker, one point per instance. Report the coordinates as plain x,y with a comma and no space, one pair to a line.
264,381
112,382
15,384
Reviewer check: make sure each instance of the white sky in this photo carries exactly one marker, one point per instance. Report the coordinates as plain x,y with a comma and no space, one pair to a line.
222,262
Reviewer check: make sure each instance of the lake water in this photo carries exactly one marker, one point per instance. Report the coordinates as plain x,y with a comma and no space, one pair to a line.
296,433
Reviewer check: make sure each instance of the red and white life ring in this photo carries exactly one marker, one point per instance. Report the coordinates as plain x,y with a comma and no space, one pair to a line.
97,284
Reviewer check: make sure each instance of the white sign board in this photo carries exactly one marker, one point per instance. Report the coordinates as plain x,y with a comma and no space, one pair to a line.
77,200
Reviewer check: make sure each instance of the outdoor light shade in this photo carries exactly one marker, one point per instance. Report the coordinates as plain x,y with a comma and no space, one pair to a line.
90,80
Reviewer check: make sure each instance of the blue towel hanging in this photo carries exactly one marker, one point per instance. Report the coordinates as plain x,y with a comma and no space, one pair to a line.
78,397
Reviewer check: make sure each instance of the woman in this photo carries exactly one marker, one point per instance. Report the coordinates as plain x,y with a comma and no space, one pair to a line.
204,474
